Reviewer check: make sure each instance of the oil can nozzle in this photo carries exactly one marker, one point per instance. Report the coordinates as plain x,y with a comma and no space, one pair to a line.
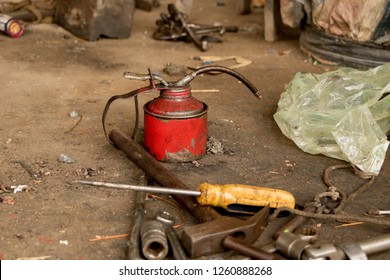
150,76
188,78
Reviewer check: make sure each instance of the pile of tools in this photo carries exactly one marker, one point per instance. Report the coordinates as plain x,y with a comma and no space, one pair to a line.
215,233
174,26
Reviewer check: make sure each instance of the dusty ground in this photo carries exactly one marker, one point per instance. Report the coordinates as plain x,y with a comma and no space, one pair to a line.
48,73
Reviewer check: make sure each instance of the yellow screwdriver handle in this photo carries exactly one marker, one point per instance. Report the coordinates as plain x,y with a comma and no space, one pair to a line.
225,195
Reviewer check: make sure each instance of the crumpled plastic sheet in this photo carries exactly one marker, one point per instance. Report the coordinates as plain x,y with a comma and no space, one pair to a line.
343,114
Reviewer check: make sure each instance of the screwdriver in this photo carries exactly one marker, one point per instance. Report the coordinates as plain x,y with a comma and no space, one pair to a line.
232,197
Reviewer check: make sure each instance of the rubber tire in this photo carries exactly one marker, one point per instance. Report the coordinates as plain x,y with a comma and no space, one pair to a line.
340,50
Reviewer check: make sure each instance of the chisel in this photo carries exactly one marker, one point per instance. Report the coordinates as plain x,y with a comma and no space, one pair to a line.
231,197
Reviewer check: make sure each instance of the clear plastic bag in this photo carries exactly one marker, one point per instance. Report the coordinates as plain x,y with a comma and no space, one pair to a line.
343,114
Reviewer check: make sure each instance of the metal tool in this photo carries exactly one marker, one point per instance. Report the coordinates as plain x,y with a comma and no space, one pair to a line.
174,26
154,240
207,238
167,219
175,123
294,247
134,252
348,250
213,227
233,243
232,197
378,212
291,245
290,238
295,222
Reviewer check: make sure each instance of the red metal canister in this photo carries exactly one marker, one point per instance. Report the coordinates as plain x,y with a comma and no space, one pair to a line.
175,126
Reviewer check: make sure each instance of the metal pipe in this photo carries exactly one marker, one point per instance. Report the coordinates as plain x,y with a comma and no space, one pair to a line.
154,240
375,244
233,243
188,78
141,188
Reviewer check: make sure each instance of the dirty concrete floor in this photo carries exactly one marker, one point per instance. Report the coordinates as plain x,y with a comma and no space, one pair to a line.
48,73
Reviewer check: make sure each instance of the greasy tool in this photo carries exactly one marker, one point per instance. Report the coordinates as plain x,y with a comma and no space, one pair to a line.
154,240
174,26
134,252
349,250
134,242
207,238
213,226
175,123
291,245
294,247
167,219
231,197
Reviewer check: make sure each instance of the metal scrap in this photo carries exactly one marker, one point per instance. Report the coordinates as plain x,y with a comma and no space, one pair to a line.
174,26
66,159
215,147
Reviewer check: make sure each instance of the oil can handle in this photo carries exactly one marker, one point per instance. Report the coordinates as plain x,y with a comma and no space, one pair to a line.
134,94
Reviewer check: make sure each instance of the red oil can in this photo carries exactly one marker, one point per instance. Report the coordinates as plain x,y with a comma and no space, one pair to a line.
175,123
175,126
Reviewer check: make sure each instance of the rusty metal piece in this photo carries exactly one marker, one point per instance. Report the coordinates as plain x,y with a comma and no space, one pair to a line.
207,238
235,244
154,240
91,20
291,245
138,214
161,175
295,222
167,219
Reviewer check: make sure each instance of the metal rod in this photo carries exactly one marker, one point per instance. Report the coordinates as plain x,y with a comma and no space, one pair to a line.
161,175
375,244
248,250
140,188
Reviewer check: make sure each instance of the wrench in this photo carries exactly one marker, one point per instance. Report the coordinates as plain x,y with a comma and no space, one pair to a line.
348,250
167,219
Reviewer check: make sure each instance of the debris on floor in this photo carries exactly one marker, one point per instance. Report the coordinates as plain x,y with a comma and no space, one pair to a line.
66,159
7,200
215,146
21,188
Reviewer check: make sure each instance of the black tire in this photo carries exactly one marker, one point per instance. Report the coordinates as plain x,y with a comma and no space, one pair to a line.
343,51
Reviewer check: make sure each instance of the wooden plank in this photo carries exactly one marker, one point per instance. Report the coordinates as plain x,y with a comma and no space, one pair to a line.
270,24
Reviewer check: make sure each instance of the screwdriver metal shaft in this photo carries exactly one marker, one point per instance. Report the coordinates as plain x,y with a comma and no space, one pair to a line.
141,188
